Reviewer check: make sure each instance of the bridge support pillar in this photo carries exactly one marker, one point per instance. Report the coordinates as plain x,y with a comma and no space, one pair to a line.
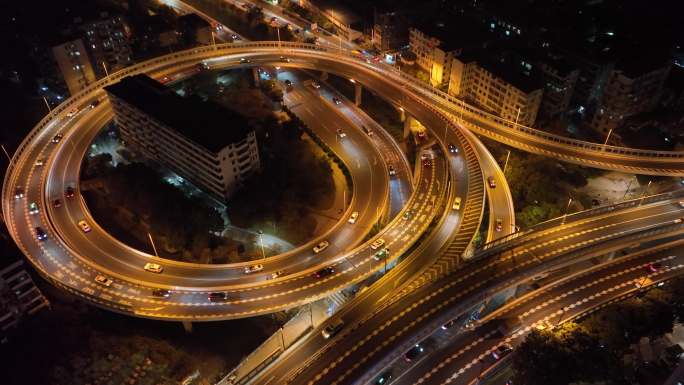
407,124
324,76
187,325
257,78
358,88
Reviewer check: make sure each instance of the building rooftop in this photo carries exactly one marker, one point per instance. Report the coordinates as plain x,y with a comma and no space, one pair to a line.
204,122
510,66
193,20
454,34
342,12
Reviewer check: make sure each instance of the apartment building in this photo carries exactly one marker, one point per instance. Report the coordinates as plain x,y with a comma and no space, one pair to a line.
208,145
390,31
507,88
19,296
349,25
559,78
632,87
434,51
107,40
194,30
74,65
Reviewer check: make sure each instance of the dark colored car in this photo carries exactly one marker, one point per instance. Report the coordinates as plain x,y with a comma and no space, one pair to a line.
57,203
69,192
41,235
452,148
653,267
384,378
449,324
324,272
502,351
218,296
162,293
413,353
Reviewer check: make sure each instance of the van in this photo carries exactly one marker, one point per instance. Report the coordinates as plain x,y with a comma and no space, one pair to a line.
332,329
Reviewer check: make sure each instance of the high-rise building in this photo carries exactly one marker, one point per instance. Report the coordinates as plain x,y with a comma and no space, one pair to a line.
107,40
19,297
631,88
74,65
194,30
201,141
507,87
390,31
434,51
559,78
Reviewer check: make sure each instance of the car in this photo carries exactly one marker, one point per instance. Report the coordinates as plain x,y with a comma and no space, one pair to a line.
333,328
72,112
353,217
421,135
392,171
322,245
427,163
382,254
253,268
336,100
285,59
491,182
457,203
288,82
324,272
57,138
544,325
218,296
235,37
367,130
449,324
69,192
94,104
341,133
502,351
40,162
41,235
384,378
407,215
153,267
57,203
18,193
678,220
499,224
277,274
102,280
244,61
413,353
453,149
315,85
377,244
681,203
84,226
653,267
33,208
161,293
274,19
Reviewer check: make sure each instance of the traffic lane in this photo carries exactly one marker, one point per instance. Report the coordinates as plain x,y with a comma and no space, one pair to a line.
469,357
442,298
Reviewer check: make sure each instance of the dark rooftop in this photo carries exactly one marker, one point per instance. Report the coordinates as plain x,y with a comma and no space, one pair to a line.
454,34
193,20
506,65
204,122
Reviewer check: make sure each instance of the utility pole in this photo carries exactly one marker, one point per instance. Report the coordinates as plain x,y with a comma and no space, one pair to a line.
153,247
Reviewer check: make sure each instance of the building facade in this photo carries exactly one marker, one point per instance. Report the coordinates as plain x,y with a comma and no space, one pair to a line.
627,93
108,43
74,65
511,96
201,141
559,85
19,297
390,31
432,55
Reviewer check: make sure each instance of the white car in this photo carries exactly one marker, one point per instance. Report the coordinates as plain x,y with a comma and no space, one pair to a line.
377,244
102,280
84,226
40,162
341,133
457,203
353,216
321,246
315,85
253,268
153,268
681,203
72,112
277,274
33,208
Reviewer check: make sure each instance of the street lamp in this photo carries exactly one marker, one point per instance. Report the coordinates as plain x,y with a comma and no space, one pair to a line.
105,65
566,211
9,158
153,246
607,137
506,162
643,195
261,243
47,104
